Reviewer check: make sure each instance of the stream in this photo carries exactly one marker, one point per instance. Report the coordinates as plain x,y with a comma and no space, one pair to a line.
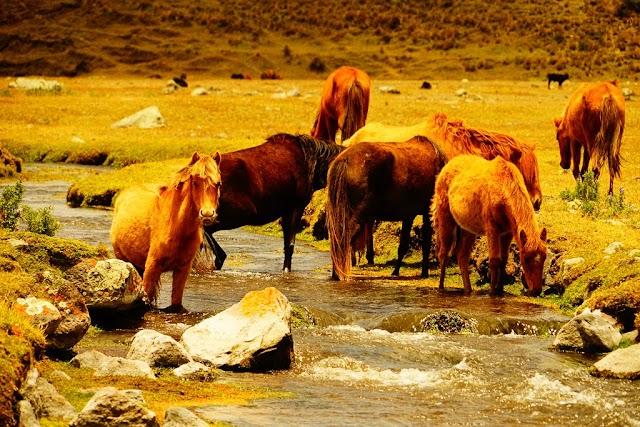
368,361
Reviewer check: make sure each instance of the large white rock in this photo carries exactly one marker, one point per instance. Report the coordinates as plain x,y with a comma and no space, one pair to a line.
589,332
157,349
182,417
119,366
622,363
35,83
46,401
112,407
254,334
148,118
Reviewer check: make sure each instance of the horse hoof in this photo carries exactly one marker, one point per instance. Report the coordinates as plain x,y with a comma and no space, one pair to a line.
175,308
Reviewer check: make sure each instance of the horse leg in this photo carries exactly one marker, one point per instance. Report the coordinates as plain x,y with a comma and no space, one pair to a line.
180,276
370,252
403,247
505,245
446,235
289,224
151,279
219,253
463,255
575,158
427,236
495,260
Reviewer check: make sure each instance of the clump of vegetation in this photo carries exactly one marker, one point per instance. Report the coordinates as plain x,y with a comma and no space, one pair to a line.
53,90
39,221
586,195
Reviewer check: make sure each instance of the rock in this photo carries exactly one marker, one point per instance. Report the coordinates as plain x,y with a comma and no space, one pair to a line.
622,363
27,414
254,334
613,248
45,399
461,92
199,91
293,93
119,366
182,417
31,83
111,407
627,93
389,89
195,371
157,349
110,284
77,140
89,359
567,265
589,332
41,313
148,118
75,316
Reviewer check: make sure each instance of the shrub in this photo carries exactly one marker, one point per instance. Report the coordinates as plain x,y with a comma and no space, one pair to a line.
317,65
10,206
40,221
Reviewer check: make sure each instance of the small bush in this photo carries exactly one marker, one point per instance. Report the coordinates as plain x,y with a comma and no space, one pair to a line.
40,221
586,193
10,206
317,65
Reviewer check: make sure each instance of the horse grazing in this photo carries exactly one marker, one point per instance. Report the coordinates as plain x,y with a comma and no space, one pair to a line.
344,104
160,230
384,181
481,197
556,77
594,120
454,138
273,180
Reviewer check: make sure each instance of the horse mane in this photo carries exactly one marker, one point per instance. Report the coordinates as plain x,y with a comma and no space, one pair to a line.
486,143
317,154
205,167
440,154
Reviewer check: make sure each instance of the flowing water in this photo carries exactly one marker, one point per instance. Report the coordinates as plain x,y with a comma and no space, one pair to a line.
368,361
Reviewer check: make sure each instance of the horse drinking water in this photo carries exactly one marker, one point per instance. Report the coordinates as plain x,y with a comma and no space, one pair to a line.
273,180
160,230
594,121
480,197
384,181
344,104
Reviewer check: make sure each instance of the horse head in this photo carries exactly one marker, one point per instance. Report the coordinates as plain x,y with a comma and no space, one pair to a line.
564,143
532,257
204,182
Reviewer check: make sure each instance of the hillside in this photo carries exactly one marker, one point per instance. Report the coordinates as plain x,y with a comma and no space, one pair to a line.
409,39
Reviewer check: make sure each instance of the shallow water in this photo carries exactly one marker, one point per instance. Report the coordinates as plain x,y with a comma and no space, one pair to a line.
367,363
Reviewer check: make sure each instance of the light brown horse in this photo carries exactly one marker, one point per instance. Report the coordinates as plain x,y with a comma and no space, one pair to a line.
344,104
388,182
594,120
455,138
161,230
481,197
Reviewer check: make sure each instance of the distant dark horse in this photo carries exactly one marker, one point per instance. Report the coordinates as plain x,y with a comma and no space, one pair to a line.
555,77
273,180
381,181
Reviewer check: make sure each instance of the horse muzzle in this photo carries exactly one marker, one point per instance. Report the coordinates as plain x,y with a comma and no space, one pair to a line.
208,217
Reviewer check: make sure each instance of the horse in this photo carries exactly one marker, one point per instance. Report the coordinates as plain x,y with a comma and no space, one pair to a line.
384,181
344,104
594,120
454,138
556,77
273,180
475,197
160,230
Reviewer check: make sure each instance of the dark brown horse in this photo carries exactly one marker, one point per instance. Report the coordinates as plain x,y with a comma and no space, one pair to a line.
273,180
344,104
594,121
383,181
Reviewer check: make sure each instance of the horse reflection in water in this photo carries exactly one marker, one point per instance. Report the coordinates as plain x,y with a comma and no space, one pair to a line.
476,197
270,181
344,104
160,230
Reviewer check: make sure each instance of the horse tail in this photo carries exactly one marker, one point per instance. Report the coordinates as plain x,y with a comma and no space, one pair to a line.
338,214
356,110
609,138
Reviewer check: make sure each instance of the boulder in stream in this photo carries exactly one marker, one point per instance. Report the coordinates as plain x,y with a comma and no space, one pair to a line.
253,335
623,363
588,332
157,349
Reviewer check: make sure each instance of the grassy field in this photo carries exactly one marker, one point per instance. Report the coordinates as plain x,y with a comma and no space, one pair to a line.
238,114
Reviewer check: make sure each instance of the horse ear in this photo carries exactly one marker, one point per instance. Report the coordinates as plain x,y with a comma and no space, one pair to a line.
216,157
543,235
557,121
515,156
194,158
523,238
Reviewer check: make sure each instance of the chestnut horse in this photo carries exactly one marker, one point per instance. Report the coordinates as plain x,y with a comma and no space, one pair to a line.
160,230
594,120
344,104
273,180
454,138
480,197
384,181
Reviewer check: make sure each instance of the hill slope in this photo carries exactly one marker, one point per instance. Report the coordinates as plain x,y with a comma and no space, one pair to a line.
501,39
